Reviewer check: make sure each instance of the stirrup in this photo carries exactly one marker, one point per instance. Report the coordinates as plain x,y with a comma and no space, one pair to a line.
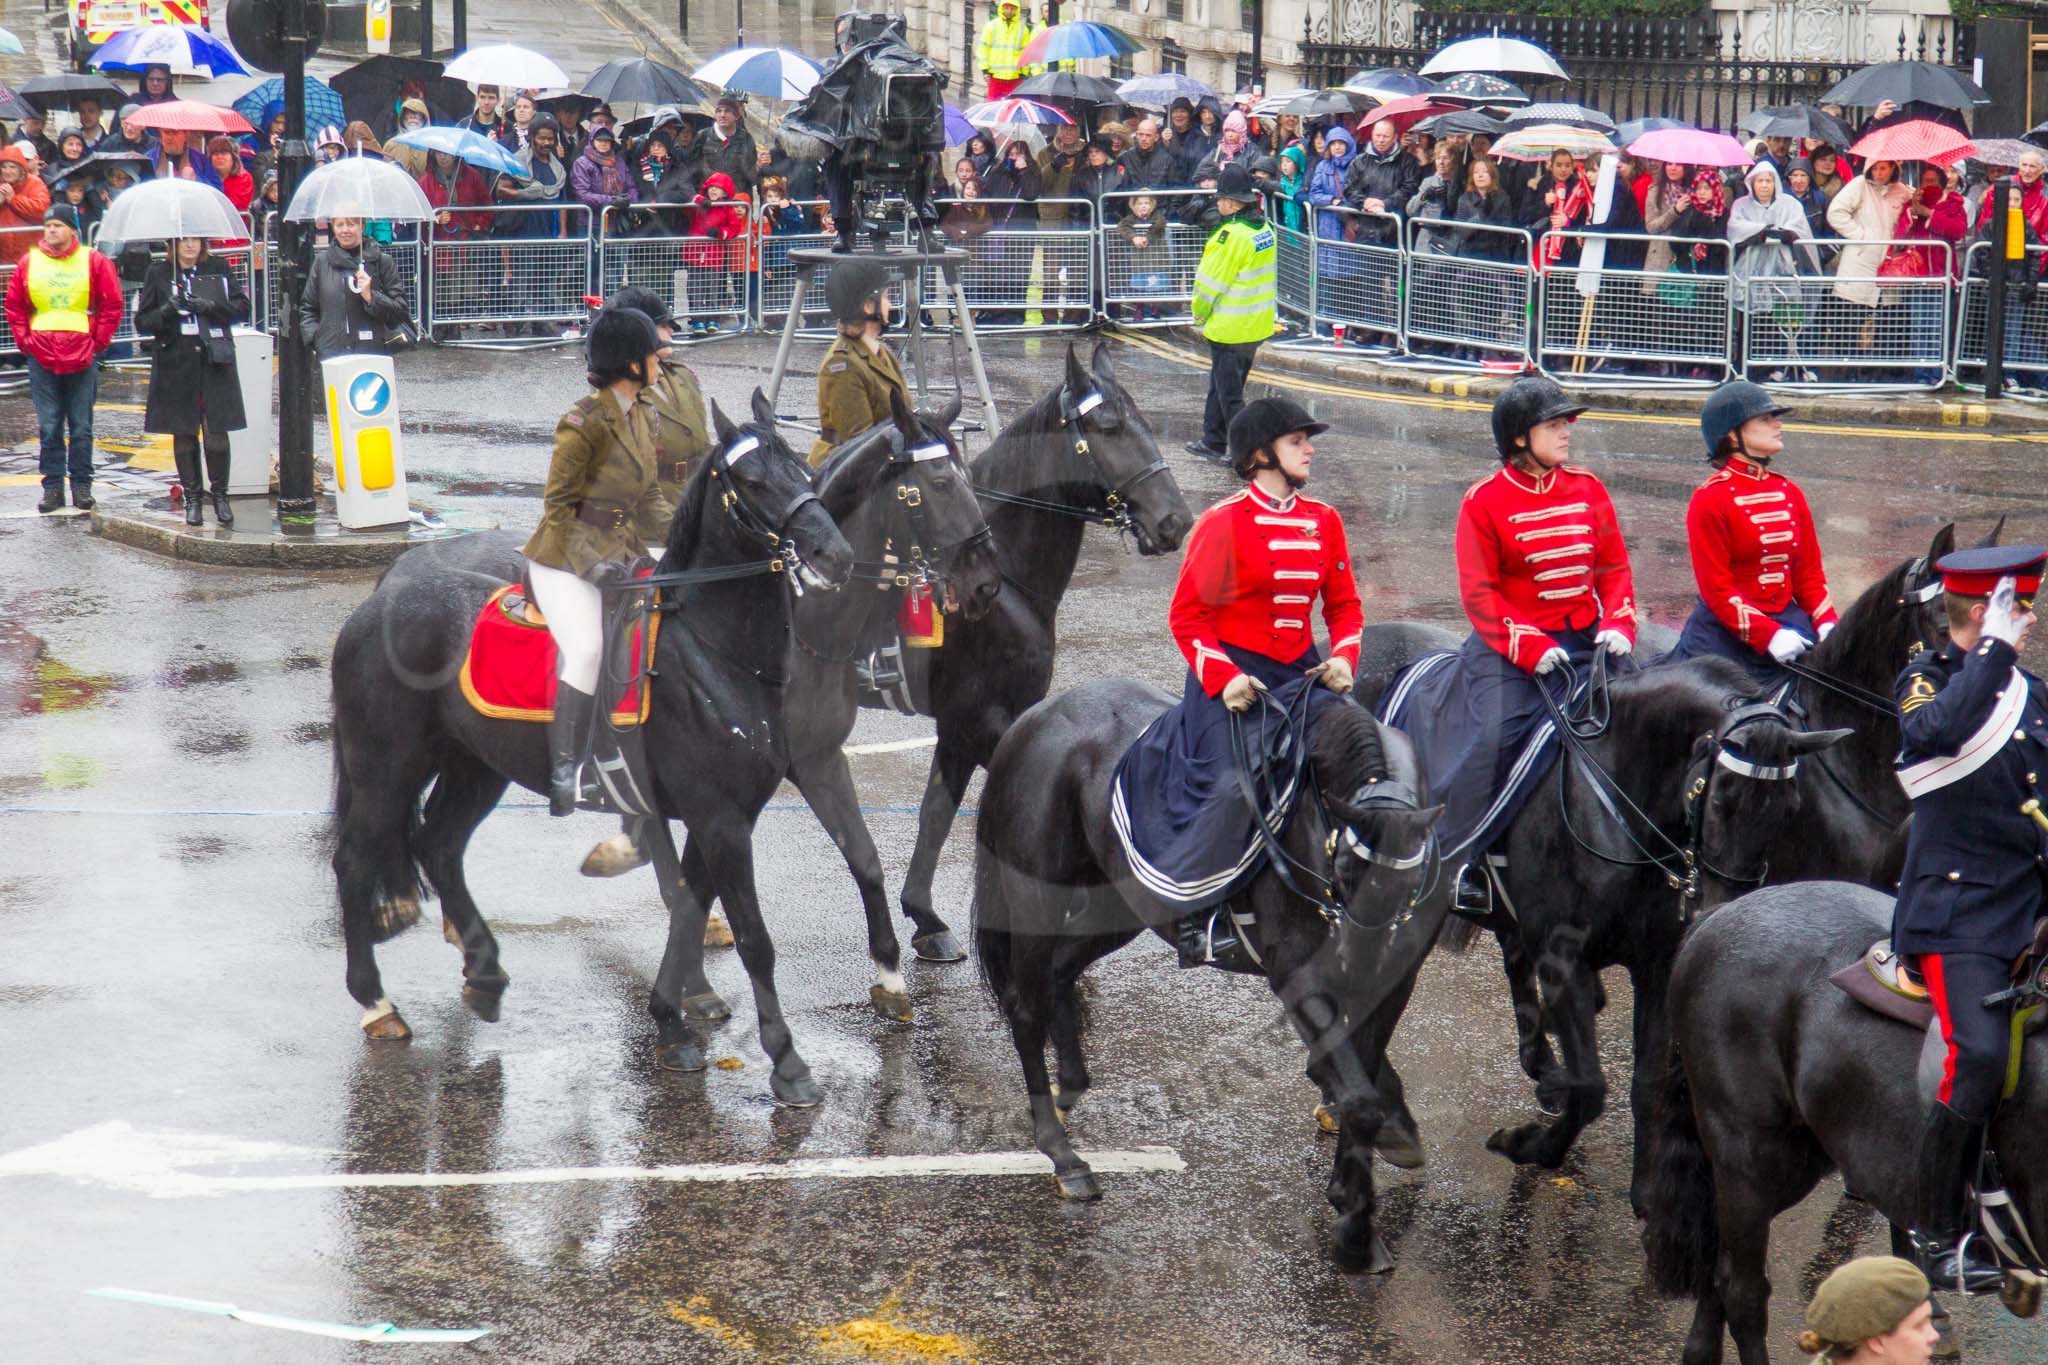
1473,892
1958,1266
1201,945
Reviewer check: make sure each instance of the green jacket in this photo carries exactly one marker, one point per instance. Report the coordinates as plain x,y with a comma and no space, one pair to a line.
681,436
853,392
602,459
1236,284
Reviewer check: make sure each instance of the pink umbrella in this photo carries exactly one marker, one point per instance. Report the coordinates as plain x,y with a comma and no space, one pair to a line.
1691,147
1917,139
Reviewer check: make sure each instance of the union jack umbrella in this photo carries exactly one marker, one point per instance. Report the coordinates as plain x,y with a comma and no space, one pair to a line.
990,113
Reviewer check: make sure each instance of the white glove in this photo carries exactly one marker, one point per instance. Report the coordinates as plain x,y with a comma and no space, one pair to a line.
1333,673
1787,645
1238,692
1614,642
1552,657
1827,629
2003,619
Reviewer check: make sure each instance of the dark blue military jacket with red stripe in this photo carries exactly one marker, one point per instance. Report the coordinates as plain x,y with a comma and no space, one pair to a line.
1974,861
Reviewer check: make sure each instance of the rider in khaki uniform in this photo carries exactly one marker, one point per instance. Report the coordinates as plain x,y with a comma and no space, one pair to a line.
681,433
601,490
859,371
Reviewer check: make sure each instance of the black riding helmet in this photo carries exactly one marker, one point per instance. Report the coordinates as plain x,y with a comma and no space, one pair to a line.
1728,407
1527,403
644,300
1263,421
851,284
619,340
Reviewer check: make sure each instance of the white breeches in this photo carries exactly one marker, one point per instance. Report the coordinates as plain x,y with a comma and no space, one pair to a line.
575,612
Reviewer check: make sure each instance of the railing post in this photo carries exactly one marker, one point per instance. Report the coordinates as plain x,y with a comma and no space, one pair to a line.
1995,280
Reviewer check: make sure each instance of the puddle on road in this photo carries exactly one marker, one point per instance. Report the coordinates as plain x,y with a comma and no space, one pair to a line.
482,488
200,673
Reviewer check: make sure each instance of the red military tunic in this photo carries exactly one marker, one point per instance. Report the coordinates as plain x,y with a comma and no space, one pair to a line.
1754,551
1253,569
1539,554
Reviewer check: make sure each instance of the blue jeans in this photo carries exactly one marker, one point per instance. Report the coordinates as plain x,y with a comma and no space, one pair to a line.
64,400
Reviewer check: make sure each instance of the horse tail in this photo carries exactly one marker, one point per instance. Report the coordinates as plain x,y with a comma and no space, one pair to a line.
375,853
1460,932
992,922
1681,1229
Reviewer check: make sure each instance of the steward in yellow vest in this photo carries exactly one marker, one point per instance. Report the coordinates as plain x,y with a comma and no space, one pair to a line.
1236,301
63,305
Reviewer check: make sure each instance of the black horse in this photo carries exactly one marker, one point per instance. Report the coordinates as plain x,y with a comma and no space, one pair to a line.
1641,825
1777,1078
1053,892
402,724
1084,453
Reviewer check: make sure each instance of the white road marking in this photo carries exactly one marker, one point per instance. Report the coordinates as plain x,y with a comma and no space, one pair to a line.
893,746
380,1332
117,1155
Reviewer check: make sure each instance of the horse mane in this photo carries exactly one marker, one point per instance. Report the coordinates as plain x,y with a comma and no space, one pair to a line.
831,477
1021,432
1868,644
1347,744
685,526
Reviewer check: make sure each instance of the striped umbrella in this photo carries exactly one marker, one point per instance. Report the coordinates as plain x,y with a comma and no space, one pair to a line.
1067,42
1541,142
185,50
773,73
1919,139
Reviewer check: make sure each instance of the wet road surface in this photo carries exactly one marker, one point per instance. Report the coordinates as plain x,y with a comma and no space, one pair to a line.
171,996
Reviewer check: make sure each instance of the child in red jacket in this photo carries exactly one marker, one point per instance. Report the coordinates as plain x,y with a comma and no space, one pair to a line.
721,214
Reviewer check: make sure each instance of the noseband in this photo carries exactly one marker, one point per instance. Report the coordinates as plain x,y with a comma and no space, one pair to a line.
1726,755
1115,511
734,500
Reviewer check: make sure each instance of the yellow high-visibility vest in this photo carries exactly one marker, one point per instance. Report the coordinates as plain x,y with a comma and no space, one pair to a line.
1001,49
1236,296
59,290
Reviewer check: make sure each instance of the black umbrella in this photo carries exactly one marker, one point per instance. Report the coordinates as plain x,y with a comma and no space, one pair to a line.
369,91
1904,82
1554,113
1330,103
65,90
1069,85
99,163
639,80
1466,121
1796,120
14,106
1477,90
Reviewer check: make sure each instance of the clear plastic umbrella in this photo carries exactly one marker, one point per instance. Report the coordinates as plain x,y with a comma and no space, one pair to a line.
157,210
359,187
507,66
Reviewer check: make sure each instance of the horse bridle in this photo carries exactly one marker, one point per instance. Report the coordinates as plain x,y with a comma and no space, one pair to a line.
1699,785
924,564
1115,511
733,498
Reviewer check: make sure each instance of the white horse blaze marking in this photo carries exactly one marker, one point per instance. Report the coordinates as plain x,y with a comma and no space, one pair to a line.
156,1164
892,746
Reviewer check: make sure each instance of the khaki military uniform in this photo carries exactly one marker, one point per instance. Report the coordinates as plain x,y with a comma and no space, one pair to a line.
853,392
601,486
681,437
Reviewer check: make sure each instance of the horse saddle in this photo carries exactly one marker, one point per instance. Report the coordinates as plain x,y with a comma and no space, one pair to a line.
1882,980
508,672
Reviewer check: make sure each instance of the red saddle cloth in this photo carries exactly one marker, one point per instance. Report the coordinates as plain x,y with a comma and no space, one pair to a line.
509,672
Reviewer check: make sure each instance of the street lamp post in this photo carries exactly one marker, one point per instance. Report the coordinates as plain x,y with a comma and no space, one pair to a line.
294,369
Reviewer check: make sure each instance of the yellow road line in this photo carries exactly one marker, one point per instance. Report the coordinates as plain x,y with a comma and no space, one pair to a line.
1166,351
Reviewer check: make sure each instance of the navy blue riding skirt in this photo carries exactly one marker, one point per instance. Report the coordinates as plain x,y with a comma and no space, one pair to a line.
1482,733
1179,811
1704,635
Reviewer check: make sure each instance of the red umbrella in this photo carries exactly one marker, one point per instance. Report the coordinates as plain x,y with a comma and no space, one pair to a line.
191,116
1915,140
1406,112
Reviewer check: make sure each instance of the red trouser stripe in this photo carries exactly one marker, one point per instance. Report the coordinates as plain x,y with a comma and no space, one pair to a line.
1937,994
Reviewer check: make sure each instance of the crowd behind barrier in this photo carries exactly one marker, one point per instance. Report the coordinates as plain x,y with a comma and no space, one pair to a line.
1580,306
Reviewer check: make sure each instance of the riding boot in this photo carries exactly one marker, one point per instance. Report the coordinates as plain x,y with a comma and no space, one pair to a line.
1209,938
1949,1150
217,478
568,742
185,450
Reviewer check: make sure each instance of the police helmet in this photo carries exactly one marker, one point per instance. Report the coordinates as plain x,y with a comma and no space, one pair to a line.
1729,406
644,300
1527,403
1233,182
1263,421
851,284
619,339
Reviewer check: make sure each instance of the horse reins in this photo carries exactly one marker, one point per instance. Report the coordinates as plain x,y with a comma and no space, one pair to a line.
1115,511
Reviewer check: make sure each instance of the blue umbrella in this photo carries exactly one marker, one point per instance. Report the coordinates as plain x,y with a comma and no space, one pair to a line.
474,148
323,105
1065,42
773,73
186,51
958,129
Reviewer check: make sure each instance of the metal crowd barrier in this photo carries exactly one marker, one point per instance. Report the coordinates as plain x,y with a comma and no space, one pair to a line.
1152,285
530,266
407,249
1359,277
703,279
2026,318
1295,266
25,238
774,241
1616,320
1801,328
1021,265
1468,288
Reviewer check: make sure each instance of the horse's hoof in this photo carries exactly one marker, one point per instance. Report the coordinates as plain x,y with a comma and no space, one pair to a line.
938,946
393,916
1525,1146
1078,1184
1400,1146
1356,1246
484,1002
891,1005
2021,1293
614,857
717,931
684,1056
1326,1118
709,1006
383,1023
797,1092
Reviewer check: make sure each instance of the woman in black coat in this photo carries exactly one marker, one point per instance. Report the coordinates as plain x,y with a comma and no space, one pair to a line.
189,304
